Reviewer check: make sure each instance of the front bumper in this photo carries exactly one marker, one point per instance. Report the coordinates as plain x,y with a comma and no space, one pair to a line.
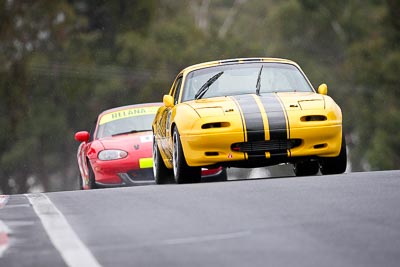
213,148
130,178
125,172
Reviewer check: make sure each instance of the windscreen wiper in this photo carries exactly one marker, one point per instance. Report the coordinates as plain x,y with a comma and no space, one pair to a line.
203,89
258,85
132,131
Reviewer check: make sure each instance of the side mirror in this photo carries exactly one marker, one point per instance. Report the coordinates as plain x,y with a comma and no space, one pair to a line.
168,101
323,89
82,136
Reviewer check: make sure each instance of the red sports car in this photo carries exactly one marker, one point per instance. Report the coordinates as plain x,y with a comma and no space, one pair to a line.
119,150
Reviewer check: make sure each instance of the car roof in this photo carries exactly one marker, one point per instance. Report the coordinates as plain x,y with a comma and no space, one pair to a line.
236,60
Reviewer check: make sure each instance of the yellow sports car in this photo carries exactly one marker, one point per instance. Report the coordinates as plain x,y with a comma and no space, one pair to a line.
247,112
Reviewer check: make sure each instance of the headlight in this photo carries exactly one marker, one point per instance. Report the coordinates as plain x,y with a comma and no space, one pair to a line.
112,154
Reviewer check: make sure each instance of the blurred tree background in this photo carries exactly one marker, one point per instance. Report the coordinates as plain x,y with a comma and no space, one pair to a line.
63,62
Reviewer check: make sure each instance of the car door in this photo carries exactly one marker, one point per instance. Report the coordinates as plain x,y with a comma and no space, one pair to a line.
165,120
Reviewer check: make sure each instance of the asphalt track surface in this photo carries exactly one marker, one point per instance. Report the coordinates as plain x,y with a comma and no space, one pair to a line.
338,220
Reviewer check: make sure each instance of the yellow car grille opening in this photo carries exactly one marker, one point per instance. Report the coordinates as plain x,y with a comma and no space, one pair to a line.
320,146
314,118
211,153
266,146
215,125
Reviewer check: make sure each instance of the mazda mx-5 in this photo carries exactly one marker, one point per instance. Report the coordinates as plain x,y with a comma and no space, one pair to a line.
247,112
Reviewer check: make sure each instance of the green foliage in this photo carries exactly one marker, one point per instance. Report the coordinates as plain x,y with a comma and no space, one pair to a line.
66,61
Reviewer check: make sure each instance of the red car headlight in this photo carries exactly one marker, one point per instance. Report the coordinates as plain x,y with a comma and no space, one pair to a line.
112,154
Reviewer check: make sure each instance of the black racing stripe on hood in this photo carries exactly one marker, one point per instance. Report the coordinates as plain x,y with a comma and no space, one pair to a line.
276,121
252,117
253,121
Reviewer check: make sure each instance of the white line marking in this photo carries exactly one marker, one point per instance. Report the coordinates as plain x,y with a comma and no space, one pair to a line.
198,239
65,240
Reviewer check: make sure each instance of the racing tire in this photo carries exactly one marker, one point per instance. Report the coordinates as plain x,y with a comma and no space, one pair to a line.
222,177
182,172
306,168
162,175
335,165
92,179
